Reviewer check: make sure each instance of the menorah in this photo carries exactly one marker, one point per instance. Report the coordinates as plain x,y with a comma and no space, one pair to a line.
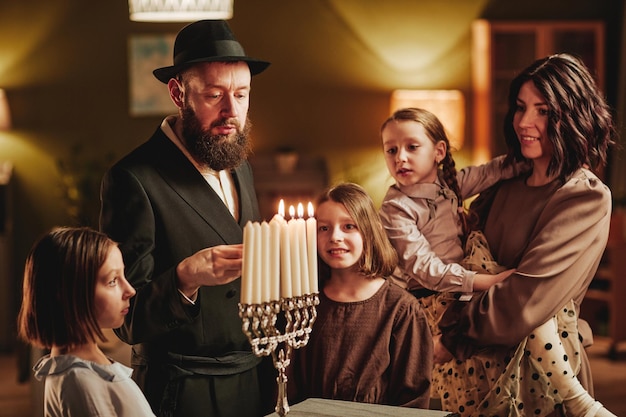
259,324
279,289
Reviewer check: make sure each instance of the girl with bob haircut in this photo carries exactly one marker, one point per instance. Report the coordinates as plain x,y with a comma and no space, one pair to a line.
74,286
371,342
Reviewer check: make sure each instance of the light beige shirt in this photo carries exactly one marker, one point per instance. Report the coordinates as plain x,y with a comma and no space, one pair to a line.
220,181
422,223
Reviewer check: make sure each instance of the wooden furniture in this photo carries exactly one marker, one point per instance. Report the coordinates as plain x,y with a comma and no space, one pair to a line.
317,407
606,297
501,49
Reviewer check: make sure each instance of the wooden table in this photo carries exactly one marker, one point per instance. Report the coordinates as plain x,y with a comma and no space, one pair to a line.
317,407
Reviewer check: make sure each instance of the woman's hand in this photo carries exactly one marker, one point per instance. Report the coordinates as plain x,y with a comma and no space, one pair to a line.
483,282
440,353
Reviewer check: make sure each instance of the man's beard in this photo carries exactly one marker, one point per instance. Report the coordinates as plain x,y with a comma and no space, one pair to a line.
218,152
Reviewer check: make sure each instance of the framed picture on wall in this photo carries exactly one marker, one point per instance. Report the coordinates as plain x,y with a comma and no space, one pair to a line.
147,95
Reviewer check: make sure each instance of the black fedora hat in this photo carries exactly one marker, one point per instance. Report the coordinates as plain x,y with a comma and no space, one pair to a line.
207,41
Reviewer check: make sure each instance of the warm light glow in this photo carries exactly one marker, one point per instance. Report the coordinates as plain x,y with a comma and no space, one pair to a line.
281,208
408,38
447,105
179,10
5,114
292,212
300,210
310,209
6,169
481,92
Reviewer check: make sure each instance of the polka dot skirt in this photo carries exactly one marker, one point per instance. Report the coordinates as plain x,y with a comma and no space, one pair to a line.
518,382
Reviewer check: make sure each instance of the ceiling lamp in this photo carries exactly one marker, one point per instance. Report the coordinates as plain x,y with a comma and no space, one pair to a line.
179,10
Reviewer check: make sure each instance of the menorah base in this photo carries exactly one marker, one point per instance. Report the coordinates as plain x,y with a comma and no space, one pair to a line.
259,325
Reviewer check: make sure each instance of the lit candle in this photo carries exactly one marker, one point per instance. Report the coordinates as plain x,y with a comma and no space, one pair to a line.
281,209
285,260
311,241
302,251
248,262
257,264
264,262
292,226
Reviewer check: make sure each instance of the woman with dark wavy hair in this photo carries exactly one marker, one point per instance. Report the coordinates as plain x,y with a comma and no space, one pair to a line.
552,226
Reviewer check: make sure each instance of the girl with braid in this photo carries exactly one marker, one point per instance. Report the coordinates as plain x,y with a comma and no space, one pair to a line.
423,211
424,219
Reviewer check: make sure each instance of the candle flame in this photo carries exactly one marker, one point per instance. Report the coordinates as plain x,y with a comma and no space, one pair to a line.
281,207
300,210
310,209
292,211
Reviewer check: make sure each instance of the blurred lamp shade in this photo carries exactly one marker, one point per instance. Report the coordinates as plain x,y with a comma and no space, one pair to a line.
447,105
179,10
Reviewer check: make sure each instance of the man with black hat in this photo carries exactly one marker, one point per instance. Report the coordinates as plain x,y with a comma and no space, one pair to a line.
177,205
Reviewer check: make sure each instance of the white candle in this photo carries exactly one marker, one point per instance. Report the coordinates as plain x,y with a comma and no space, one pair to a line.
248,262
257,264
274,254
264,263
302,251
285,260
311,242
296,287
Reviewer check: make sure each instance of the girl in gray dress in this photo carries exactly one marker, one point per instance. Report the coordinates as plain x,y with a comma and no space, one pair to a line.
74,286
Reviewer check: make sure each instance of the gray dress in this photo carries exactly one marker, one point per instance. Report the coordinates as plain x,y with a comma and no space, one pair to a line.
75,387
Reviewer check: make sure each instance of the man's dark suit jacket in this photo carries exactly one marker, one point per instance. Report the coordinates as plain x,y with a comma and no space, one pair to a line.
188,360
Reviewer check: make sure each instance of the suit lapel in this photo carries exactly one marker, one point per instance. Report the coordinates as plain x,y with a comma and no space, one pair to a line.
248,206
185,180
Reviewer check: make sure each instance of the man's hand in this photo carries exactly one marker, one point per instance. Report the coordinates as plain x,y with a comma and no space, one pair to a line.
217,265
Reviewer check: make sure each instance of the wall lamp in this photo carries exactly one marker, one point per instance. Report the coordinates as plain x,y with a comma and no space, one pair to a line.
447,105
